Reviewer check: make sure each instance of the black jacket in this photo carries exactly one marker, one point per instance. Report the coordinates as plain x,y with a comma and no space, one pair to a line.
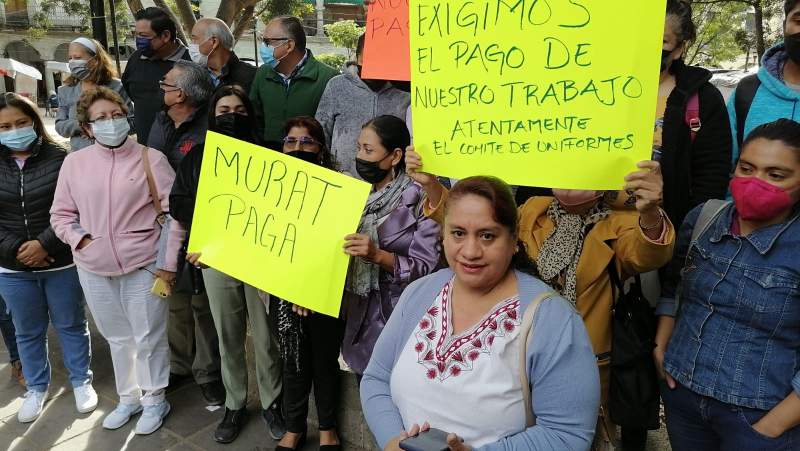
25,199
177,142
237,72
699,171
140,81
184,190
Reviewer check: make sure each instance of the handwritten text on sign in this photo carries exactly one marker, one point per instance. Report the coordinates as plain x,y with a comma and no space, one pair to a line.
275,222
554,93
386,55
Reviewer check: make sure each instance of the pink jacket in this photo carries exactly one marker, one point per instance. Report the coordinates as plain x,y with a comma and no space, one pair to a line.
103,193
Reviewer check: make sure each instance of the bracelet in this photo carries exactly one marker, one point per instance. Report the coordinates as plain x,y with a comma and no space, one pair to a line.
658,223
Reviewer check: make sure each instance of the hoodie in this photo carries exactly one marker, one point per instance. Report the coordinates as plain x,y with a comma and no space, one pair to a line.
346,105
773,100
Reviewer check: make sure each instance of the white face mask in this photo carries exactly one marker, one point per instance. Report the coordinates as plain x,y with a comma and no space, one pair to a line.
197,56
111,132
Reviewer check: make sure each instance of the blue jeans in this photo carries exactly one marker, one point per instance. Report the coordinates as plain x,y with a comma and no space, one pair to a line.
8,332
700,423
36,300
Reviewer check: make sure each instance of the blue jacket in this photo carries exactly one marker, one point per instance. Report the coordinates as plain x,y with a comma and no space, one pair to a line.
773,100
737,330
565,383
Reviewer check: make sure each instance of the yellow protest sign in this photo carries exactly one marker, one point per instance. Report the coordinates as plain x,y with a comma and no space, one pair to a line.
551,93
276,222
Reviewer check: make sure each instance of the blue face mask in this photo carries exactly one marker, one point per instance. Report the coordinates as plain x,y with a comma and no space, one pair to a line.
268,55
143,45
18,139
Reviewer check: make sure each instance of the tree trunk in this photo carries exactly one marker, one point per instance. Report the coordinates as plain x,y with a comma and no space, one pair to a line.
245,22
761,47
227,11
181,34
186,14
135,6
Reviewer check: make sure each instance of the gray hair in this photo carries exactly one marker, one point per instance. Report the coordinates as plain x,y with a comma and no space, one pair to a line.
220,30
294,30
195,82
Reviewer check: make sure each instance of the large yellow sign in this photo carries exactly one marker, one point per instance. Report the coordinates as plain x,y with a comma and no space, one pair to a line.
276,222
550,93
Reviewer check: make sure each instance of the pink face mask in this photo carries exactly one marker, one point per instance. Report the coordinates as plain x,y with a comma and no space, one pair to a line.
757,200
576,197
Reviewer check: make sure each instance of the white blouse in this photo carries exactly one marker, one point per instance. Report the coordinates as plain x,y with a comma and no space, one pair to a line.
467,384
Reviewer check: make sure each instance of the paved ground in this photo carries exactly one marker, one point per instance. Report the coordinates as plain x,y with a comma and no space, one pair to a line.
188,427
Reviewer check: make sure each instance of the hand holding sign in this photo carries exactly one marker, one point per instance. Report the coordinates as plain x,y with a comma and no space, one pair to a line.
275,222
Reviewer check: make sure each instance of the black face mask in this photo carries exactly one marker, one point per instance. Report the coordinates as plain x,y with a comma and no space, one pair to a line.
665,54
792,43
235,125
310,157
370,171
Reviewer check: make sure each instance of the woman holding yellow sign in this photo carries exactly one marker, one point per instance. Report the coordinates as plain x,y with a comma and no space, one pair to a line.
395,244
577,242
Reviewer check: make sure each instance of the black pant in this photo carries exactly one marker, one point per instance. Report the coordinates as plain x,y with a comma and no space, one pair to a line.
319,366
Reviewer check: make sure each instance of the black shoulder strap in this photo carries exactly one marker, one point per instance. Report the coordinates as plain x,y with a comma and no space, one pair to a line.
745,93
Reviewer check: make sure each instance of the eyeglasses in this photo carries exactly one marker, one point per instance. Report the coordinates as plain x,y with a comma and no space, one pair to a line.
268,41
162,83
114,116
305,142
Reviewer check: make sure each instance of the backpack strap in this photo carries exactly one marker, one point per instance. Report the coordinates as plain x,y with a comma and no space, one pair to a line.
708,214
692,115
151,185
526,331
745,93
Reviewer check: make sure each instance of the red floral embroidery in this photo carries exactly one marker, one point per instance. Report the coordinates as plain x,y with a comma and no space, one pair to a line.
450,356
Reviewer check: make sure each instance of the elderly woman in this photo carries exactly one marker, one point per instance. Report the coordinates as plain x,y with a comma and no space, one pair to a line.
38,280
90,67
574,237
395,243
482,350
112,220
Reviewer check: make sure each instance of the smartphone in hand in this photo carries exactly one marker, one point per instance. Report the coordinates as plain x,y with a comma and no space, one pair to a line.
430,440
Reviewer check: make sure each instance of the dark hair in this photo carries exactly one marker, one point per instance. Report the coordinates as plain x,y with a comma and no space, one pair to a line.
501,198
88,98
393,133
360,44
27,107
159,21
786,131
294,30
231,90
789,5
316,131
682,13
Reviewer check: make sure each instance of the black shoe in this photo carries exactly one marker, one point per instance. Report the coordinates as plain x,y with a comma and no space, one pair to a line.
300,443
177,381
214,392
229,428
330,447
274,420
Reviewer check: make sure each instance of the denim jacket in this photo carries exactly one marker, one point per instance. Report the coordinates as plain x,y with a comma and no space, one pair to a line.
737,329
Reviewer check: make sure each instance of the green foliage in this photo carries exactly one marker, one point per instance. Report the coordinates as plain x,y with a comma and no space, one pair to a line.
344,34
718,26
267,9
333,60
41,22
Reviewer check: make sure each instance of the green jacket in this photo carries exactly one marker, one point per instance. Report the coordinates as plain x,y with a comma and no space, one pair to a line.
275,103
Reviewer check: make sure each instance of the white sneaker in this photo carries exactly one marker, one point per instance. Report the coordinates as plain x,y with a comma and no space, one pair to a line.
32,406
85,398
152,418
121,415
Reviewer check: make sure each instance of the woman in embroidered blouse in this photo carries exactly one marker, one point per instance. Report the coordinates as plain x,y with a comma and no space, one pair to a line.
395,243
575,237
451,358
